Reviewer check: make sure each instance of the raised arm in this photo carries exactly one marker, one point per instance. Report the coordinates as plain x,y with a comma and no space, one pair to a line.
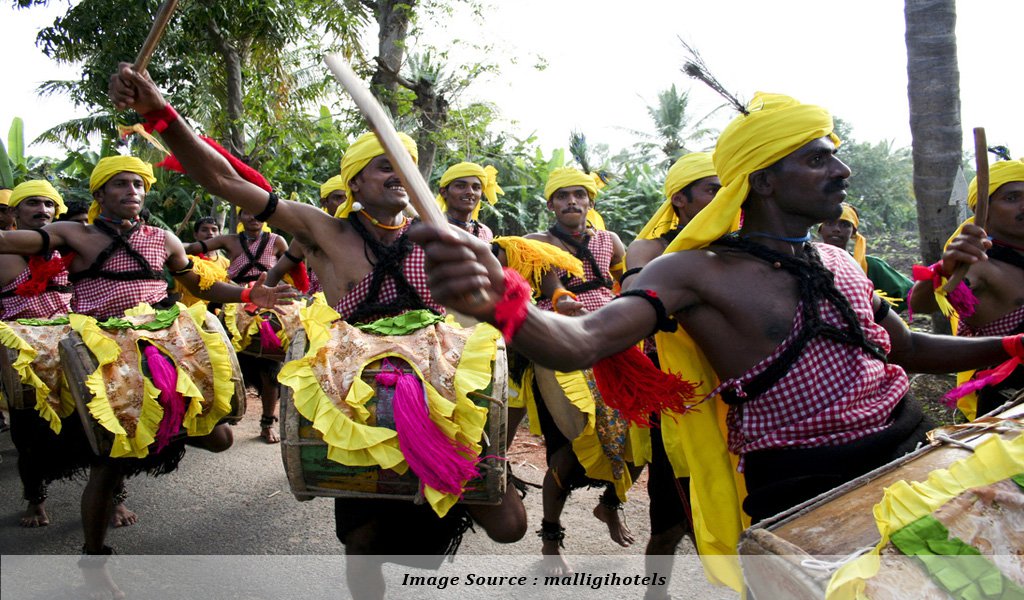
220,242
203,164
28,242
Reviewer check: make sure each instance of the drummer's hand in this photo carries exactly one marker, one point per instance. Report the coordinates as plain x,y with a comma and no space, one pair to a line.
967,248
269,297
130,89
570,307
461,271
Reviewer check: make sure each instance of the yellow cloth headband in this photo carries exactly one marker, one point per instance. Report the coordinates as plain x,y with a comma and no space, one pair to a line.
1000,173
40,188
332,185
112,165
568,177
686,170
5,197
488,177
359,154
860,243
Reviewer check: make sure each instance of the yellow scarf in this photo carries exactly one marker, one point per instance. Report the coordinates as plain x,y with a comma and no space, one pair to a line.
776,126
331,185
5,197
366,148
112,165
568,177
34,188
686,170
860,243
488,177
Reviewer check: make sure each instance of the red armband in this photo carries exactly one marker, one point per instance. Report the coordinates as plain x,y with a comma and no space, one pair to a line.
158,120
510,311
246,293
961,300
1014,347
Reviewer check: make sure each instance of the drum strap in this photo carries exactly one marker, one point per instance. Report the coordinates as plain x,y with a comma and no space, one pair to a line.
1006,254
252,260
387,262
118,241
816,286
581,250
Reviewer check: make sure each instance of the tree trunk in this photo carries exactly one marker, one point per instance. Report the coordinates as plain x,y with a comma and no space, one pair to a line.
232,56
933,90
393,17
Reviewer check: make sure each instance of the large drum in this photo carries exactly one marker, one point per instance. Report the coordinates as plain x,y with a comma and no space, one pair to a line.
569,419
113,386
29,367
322,430
264,332
939,491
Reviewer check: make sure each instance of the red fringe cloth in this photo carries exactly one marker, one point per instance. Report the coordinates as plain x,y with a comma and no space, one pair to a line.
511,310
1014,346
248,173
41,272
631,384
300,277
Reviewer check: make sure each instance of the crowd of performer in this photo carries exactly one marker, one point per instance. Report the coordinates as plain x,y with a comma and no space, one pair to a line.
771,368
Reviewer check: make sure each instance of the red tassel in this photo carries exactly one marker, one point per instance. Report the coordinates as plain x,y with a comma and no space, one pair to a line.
41,271
300,278
631,384
248,173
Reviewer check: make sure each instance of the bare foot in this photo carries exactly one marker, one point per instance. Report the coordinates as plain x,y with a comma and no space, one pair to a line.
35,516
123,517
617,529
100,584
554,563
269,435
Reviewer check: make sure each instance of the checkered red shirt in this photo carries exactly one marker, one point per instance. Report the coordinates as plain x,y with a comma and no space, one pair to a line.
314,283
602,247
267,258
40,306
1007,324
481,231
834,393
102,298
415,270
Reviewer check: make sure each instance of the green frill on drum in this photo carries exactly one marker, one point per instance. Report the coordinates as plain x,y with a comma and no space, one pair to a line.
52,400
453,363
129,409
907,516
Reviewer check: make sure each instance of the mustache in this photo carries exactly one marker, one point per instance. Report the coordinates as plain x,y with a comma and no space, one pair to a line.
572,210
837,185
393,181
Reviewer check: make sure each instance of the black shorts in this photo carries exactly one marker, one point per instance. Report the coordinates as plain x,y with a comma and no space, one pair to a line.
669,495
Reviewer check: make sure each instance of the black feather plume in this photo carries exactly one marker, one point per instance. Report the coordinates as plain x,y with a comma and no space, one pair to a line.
696,68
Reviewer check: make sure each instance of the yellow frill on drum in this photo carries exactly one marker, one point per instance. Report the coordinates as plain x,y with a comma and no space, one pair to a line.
209,272
242,337
343,422
533,258
904,502
23,365
196,423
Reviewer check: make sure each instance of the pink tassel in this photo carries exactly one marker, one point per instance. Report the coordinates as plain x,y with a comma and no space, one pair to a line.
269,342
963,300
165,378
439,462
982,379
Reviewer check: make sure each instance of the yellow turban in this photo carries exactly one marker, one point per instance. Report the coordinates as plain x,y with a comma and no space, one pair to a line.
860,243
5,197
359,154
112,165
40,188
568,177
686,170
331,185
776,126
488,177
1000,173
696,444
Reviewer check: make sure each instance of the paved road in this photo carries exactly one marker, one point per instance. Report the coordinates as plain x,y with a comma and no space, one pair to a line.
238,503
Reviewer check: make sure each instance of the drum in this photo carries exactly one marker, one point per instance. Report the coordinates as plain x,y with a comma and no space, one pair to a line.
569,420
249,329
307,457
217,383
797,553
17,387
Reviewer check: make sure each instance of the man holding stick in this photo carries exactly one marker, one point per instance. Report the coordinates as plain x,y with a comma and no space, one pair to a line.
798,349
368,269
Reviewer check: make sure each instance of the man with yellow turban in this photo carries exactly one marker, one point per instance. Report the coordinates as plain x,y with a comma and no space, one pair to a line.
995,255
118,263
462,187
690,185
892,285
785,340
6,218
369,270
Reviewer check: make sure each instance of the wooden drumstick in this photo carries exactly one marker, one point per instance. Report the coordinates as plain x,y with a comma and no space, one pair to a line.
419,192
981,208
163,17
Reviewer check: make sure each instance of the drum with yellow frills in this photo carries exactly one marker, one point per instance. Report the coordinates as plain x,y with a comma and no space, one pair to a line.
123,398
262,332
338,422
29,366
952,511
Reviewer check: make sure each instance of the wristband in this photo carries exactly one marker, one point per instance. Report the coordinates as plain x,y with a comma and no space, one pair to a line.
158,120
510,311
961,300
1014,345
246,293
558,295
